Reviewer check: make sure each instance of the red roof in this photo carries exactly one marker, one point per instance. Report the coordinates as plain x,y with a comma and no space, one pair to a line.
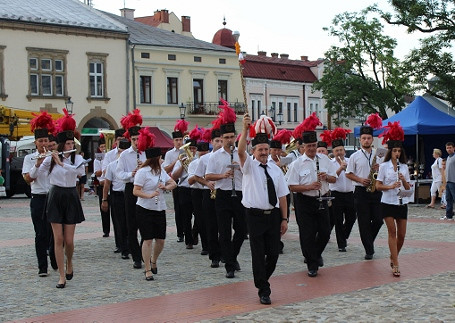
279,69
148,20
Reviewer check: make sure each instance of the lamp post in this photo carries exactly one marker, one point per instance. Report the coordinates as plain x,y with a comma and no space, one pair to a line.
69,105
182,109
272,112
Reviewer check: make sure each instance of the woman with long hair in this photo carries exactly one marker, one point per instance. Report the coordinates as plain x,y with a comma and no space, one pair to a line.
150,182
63,207
436,175
393,177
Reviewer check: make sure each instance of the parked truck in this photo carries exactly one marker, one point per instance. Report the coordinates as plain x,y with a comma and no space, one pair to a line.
16,141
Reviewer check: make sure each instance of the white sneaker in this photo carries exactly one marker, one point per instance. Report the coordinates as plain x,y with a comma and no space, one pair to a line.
446,218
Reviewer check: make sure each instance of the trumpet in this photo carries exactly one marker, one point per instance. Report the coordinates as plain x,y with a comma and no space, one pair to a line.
109,136
49,153
291,146
186,156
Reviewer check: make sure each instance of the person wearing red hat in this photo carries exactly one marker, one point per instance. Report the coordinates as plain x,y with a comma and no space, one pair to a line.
63,208
40,125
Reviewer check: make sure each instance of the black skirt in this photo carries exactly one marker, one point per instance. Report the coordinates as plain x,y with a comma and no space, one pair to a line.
395,211
152,224
64,206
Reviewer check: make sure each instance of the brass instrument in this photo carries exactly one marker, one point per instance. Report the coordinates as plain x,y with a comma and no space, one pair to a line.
284,168
213,194
186,156
290,146
373,175
109,136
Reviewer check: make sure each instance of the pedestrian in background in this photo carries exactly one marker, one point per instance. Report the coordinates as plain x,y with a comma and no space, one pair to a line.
436,175
450,177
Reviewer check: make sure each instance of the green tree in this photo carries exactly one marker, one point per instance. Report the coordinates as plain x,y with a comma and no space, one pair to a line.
361,76
433,60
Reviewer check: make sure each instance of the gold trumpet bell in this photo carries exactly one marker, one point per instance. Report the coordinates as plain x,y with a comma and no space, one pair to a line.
291,146
109,136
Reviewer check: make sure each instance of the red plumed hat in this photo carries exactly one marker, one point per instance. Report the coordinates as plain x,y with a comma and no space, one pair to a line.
196,133
393,131
283,136
207,135
374,121
66,122
145,140
326,136
227,114
182,126
42,120
311,122
265,125
340,133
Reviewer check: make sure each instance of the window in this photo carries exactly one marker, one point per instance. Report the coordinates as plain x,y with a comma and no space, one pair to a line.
222,60
171,57
222,89
198,91
198,59
289,111
252,109
47,72
2,76
295,112
146,89
97,76
172,91
259,109
145,55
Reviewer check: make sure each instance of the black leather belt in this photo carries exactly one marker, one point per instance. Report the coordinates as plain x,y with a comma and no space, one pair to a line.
260,211
39,195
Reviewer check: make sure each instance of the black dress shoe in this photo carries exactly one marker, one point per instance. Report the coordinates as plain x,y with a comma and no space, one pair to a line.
125,256
61,285
179,239
230,274
137,265
43,273
117,250
304,260
368,257
265,300
105,235
215,264
320,262
312,273
204,252
69,276
342,249
237,266
189,246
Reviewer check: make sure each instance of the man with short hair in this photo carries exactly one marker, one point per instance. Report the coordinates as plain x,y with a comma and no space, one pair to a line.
450,178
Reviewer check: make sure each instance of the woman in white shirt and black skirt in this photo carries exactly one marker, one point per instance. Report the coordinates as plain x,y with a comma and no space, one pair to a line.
63,209
150,182
393,176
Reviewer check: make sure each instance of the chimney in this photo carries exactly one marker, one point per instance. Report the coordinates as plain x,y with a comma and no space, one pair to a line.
285,56
274,55
262,53
162,16
186,23
127,13
304,58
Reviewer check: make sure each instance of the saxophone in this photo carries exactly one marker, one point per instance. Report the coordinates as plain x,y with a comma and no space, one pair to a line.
373,175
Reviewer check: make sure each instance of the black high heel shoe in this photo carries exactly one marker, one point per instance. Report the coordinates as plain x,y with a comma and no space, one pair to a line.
154,270
61,285
69,276
148,278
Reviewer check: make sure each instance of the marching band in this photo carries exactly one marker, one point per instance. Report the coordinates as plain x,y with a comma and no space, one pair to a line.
231,199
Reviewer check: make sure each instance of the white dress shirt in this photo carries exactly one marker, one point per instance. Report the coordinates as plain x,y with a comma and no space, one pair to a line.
183,179
202,165
254,184
98,166
109,157
387,175
343,184
171,156
218,164
41,183
303,171
360,164
127,163
62,176
149,183
117,184
192,171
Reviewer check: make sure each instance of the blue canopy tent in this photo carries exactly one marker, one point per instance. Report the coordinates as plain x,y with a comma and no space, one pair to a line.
425,128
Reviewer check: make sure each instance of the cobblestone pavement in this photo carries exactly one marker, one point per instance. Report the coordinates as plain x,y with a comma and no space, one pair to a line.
102,277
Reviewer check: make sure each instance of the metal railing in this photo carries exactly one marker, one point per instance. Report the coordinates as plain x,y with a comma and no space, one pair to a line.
211,108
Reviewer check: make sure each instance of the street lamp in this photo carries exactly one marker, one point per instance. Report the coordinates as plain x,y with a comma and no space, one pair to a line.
272,112
182,108
69,105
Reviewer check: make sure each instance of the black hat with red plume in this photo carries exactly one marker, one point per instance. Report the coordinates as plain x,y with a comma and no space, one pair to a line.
373,122
339,136
132,123
309,128
282,137
180,128
393,135
227,117
42,125
65,127
146,142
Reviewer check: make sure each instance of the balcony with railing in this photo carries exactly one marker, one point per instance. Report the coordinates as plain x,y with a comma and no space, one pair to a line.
211,108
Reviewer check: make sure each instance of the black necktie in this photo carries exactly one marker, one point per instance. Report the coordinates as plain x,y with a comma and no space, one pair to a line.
270,187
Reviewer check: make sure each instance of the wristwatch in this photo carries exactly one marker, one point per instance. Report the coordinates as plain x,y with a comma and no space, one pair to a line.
103,200
285,219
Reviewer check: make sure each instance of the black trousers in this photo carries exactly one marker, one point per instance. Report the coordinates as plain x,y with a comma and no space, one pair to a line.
186,212
179,223
42,229
105,216
369,216
314,228
344,214
264,235
211,223
117,204
131,223
199,217
230,214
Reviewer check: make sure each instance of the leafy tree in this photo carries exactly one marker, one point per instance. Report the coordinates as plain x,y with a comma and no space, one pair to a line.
361,76
433,60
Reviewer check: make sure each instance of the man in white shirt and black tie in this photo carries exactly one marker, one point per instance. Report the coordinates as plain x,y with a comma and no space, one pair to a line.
264,197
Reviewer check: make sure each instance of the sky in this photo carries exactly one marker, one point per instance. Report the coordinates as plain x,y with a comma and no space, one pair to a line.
293,27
